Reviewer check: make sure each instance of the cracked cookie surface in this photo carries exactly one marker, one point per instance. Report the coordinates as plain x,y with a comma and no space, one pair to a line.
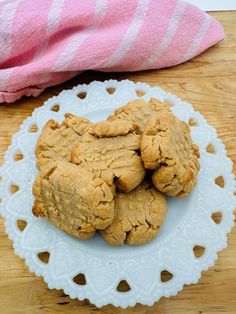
139,111
111,151
138,216
73,199
167,148
57,141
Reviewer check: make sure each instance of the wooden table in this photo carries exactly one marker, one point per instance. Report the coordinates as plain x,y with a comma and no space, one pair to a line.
209,83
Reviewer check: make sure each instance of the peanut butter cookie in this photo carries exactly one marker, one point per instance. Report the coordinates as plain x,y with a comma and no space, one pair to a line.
111,151
57,141
138,216
73,199
138,111
167,148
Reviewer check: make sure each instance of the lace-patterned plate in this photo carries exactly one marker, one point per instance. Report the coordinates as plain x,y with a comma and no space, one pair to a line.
190,222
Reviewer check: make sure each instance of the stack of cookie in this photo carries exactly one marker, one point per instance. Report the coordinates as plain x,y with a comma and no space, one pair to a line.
113,176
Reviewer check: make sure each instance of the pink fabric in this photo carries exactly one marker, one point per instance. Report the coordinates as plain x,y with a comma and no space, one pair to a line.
54,40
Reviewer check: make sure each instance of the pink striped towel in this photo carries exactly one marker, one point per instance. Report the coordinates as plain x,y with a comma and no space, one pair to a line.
46,42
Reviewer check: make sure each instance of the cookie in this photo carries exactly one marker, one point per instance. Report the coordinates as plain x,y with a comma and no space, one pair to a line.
57,141
167,148
73,199
111,151
139,111
138,216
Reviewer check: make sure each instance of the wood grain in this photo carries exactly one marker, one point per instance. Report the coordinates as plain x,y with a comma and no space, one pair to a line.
209,83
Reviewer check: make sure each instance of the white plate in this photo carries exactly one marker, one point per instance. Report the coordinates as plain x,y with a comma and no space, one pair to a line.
188,223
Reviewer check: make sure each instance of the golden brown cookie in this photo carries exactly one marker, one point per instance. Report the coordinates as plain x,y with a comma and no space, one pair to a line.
57,141
167,148
138,216
111,151
73,199
138,111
